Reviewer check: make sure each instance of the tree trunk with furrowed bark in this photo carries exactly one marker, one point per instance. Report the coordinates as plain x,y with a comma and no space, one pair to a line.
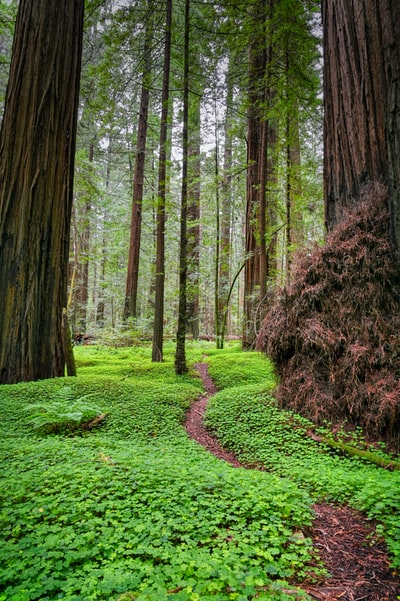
354,131
37,146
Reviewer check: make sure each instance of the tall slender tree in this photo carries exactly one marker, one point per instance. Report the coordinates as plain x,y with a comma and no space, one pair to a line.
193,214
132,278
180,354
158,331
261,139
37,144
226,213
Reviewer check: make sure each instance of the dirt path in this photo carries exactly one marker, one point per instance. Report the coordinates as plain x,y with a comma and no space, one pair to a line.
359,572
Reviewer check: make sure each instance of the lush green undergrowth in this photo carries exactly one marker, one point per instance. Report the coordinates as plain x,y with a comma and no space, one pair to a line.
246,420
133,510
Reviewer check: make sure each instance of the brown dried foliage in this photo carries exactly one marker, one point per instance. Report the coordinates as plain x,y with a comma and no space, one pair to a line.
334,334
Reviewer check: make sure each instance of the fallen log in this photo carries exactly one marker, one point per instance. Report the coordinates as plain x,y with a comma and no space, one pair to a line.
389,464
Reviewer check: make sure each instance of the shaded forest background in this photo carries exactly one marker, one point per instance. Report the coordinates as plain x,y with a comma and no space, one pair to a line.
254,87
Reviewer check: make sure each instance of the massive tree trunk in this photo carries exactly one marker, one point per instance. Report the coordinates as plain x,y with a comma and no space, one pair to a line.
390,23
354,92
37,144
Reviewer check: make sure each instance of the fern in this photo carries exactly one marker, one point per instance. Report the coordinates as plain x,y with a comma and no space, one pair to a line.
63,413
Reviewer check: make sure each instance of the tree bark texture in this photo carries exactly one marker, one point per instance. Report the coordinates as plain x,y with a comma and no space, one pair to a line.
390,24
354,92
252,267
259,211
80,283
37,145
223,292
293,189
158,330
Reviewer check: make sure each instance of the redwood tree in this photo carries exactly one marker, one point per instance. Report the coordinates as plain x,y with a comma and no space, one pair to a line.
132,277
180,353
332,333
354,132
158,331
260,142
390,32
37,144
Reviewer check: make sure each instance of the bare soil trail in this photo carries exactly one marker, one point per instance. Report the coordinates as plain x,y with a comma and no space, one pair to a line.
358,564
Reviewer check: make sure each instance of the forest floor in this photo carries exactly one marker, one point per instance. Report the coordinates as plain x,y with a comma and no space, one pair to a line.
358,565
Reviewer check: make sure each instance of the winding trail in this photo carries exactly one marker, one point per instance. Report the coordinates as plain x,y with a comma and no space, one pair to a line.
359,571
194,420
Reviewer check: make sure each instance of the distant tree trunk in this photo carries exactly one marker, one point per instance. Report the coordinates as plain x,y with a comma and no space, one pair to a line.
293,188
252,267
260,213
67,339
180,354
158,332
79,278
79,281
218,318
193,238
226,206
132,278
82,283
37,146
263,177
354,93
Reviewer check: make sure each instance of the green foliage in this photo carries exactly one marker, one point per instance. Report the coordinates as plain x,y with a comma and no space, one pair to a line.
380,498
63,413
134,509
247,421
233,367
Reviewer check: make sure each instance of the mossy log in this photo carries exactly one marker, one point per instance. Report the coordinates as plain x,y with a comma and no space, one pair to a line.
389,464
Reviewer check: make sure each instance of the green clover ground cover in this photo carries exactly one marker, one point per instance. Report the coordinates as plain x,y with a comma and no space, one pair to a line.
247,421
133,509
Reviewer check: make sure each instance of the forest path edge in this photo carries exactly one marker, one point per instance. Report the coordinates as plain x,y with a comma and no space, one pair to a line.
359,570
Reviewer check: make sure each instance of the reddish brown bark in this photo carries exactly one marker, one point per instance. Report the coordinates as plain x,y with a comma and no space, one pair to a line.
252,266
37,145
132,278
354,91
259,210
390,31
